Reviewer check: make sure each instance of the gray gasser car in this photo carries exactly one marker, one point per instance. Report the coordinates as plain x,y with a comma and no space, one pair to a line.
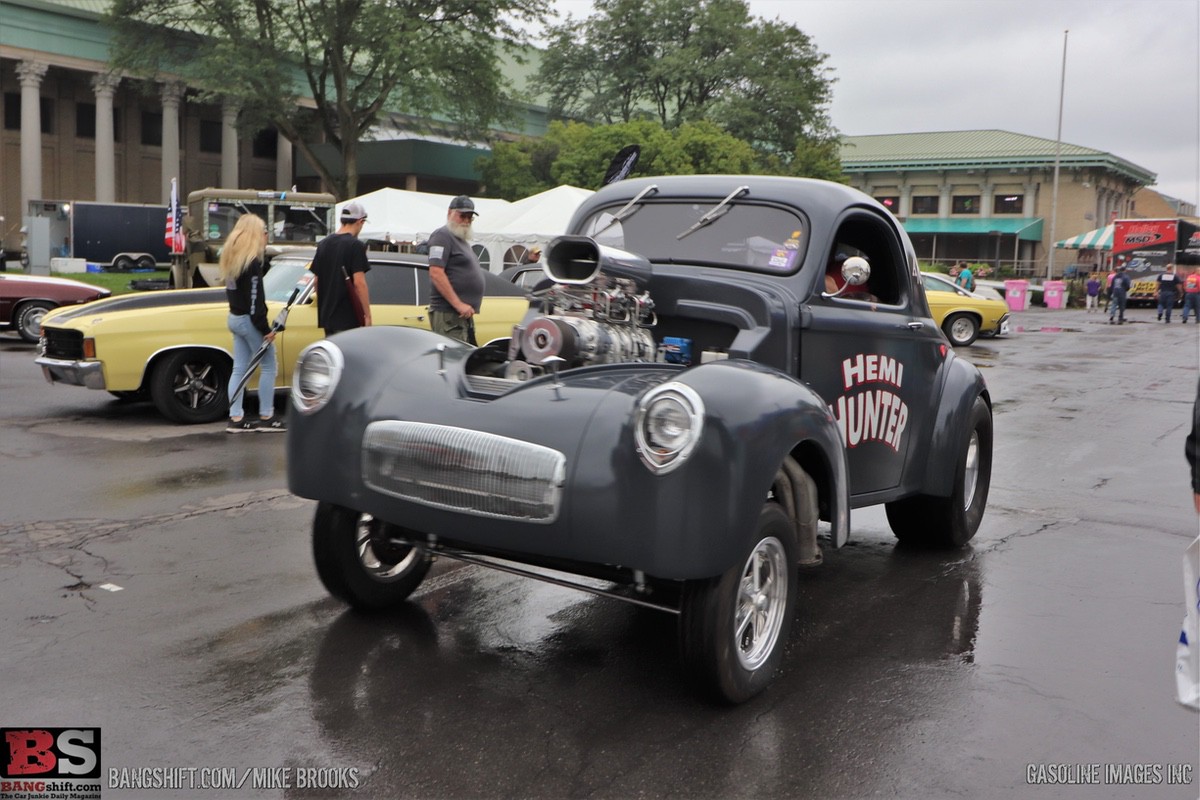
713,365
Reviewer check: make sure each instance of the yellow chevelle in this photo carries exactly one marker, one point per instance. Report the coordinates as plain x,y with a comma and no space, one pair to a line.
174,347
963,316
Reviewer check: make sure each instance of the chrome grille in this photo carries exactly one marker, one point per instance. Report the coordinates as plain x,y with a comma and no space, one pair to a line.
464,470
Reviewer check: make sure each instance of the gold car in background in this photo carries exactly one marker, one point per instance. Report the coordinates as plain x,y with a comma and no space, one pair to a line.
963,316
174,347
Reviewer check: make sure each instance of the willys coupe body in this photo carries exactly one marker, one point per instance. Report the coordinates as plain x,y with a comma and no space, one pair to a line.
685,400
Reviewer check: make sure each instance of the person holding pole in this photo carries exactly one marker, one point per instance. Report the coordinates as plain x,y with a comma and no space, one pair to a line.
241,266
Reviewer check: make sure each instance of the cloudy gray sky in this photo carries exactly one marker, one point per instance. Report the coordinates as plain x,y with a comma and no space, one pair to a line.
901,66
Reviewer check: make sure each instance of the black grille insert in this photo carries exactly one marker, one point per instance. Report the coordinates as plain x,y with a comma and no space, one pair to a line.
63,343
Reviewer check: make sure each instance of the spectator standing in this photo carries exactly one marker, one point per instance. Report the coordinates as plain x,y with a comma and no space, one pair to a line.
1093,292
241,266
965,278
532,256
1191,295
1118,294
1168,288
455,274
341,263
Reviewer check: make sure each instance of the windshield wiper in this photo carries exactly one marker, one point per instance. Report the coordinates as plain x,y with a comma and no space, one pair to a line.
713,213
627,210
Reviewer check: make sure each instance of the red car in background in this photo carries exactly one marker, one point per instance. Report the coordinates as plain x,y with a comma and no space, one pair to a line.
25,299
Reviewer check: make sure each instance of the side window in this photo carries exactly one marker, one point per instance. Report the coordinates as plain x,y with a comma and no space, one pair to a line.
422,276
868,236
392,284
531,278
934,285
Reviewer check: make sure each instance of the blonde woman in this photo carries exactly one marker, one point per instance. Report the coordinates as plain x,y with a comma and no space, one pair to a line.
242,270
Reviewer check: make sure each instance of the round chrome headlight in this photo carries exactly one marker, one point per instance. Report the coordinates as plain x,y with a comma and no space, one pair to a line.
670,419
316,376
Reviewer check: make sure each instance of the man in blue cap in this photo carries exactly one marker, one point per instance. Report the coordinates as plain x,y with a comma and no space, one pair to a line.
455,274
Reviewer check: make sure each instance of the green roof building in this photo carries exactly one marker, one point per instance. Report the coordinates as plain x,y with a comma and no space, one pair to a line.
987,196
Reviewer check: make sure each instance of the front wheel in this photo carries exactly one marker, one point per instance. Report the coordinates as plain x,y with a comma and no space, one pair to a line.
961,329
360,561
190,386
733,628
29,319
952,521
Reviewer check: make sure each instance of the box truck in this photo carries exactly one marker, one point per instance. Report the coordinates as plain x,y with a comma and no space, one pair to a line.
1146,246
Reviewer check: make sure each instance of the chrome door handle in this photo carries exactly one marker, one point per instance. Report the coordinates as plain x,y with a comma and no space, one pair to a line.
915,326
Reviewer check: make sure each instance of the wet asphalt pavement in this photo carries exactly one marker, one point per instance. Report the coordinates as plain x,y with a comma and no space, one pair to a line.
156,583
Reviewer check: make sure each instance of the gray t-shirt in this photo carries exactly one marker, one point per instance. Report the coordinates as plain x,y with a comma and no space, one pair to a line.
462,268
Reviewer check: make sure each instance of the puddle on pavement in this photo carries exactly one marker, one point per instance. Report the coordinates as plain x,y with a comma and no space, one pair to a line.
1045,329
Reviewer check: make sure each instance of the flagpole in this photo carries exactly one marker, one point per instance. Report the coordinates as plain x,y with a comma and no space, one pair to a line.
1057,156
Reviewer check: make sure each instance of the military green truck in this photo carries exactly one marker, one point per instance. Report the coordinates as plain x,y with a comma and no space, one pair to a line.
294,219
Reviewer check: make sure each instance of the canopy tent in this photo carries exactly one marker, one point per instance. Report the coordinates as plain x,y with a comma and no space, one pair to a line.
533,220
1099,239
399,215
403,216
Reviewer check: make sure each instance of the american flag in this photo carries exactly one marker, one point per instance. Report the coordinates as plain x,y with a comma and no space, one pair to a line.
174,233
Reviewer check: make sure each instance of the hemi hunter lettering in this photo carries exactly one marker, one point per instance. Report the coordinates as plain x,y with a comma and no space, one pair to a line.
876,414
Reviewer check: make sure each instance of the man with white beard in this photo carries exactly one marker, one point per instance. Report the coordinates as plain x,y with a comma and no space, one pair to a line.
455,274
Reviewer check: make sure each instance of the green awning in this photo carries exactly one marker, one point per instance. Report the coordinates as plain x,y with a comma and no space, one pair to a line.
1029,229
1099,239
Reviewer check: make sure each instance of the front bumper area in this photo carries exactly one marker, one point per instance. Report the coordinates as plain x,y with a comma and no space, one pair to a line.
75,373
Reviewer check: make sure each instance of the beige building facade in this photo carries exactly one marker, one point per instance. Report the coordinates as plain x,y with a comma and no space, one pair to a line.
989,197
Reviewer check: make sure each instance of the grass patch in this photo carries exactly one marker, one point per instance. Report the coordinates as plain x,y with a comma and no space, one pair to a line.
115,282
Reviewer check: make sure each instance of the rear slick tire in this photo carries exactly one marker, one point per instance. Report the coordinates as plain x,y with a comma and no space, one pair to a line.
733,629
950,522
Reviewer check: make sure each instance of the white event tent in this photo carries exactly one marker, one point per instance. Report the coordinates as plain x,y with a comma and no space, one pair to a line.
502,231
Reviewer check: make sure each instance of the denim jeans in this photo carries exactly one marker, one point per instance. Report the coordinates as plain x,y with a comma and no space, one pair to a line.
1191,300
1117,305
246,341
1166,302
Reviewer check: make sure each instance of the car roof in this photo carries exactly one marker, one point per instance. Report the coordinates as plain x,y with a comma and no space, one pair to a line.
493,284
375,256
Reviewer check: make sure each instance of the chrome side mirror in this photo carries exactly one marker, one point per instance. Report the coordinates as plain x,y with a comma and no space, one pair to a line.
856,271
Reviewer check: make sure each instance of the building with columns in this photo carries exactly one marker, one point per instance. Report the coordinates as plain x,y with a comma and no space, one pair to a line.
986,196
71,131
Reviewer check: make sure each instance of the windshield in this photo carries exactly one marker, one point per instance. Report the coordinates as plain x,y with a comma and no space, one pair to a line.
299,223
741,235
282,277
289,223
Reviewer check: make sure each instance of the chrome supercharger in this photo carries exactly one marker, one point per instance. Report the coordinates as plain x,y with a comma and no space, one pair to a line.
597,310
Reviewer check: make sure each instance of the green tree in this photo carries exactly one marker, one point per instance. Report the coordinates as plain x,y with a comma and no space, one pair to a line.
578,154
355,59
689,60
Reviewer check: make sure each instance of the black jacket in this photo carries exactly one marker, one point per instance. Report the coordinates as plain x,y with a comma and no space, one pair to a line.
246,296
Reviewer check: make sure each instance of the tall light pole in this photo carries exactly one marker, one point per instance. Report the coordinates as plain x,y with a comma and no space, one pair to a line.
1057,155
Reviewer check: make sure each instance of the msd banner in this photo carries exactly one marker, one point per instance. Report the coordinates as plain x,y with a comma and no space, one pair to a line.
1145,245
